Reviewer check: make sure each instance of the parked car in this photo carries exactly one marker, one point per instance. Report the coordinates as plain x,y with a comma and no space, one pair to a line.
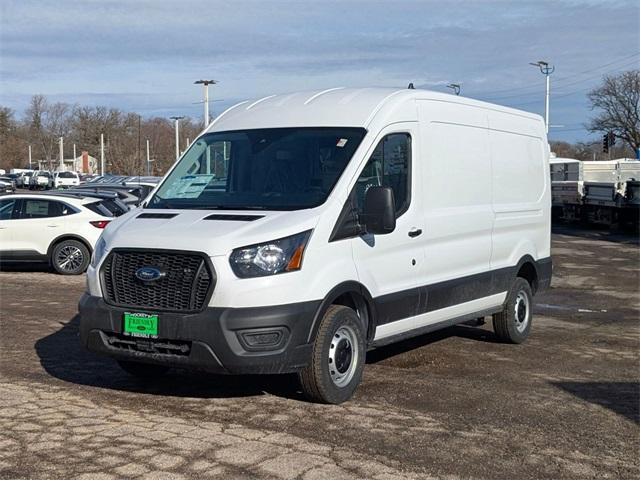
299,231
14,178
86,177
65,180
131,195
6,186
59,229
9,181
23,179
40,180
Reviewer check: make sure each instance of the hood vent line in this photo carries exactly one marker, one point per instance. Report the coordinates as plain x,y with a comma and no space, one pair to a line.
234,218
157,215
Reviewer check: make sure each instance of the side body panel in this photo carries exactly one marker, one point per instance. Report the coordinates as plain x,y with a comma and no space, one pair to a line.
521,189
456,189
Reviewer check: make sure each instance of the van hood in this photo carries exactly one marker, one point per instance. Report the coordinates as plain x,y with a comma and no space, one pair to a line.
214,232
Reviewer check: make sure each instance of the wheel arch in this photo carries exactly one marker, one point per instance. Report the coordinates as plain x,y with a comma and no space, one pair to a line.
351,294
68,236
527,268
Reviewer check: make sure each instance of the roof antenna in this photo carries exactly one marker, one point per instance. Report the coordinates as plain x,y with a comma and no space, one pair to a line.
411,87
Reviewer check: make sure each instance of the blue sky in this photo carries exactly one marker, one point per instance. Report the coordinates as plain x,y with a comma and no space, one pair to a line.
144,55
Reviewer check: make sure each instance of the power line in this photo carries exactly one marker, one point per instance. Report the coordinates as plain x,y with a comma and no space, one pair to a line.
527,94
560,79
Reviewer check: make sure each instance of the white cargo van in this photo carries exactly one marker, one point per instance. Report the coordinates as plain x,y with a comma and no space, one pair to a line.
298,231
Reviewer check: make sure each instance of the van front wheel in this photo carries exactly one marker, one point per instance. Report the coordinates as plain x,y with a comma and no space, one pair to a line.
337,359
513,323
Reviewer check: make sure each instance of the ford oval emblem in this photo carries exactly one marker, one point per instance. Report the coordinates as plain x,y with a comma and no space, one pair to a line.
149,274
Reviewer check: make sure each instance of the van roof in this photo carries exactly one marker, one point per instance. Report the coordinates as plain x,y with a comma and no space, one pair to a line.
347,107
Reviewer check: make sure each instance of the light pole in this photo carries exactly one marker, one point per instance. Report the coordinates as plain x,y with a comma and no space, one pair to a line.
546,70
102,154
61,167
455,87
177,120
205,84
148,160
30,157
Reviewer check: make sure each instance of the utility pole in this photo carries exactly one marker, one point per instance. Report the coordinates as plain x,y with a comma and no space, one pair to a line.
102,154
148,163
74,157
205,84
30,158
61,167
455,87
139,146
546,70
177,123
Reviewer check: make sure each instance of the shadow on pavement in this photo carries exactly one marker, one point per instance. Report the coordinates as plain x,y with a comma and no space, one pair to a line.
616,236
63,357
622,398
462,331
25,267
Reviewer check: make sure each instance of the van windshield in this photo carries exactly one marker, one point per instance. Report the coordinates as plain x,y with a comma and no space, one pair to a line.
265,169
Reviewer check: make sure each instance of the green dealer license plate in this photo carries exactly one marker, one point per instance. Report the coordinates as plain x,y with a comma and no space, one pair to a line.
140,324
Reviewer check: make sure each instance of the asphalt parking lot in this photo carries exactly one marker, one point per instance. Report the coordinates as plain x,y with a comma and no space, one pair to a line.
453,404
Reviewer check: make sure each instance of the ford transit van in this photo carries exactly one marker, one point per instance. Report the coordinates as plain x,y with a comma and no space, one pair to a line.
299,231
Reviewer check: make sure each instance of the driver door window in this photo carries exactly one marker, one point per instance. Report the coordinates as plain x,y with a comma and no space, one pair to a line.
388,166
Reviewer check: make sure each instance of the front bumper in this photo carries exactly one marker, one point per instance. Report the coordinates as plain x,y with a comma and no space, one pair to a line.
256,340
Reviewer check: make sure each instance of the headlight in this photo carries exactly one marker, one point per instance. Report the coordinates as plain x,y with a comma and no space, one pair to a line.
278,256
98,252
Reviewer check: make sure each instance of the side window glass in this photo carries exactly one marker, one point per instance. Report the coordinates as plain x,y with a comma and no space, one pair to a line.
35,209
388,167
6,209
56,209
59,209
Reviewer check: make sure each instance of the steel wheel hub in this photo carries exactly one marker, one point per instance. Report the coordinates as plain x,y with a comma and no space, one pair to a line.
522,313
343,356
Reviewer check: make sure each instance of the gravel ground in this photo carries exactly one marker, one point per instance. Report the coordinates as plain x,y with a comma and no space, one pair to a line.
453,404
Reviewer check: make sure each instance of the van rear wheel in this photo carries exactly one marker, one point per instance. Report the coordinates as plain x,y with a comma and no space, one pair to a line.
513,323
337,359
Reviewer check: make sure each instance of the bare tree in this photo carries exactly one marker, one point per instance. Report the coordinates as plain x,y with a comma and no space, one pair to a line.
46,123
125,135
13,148
618,103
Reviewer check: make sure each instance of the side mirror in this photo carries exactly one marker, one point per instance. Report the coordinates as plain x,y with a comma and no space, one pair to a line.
379,215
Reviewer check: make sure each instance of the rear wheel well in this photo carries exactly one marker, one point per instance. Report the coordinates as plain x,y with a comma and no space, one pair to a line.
530,274
357,302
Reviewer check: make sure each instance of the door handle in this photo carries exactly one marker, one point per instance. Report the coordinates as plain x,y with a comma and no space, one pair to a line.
53,226
414,232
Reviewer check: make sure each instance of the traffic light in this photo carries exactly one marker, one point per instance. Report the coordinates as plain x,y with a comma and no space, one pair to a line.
605,143
611,139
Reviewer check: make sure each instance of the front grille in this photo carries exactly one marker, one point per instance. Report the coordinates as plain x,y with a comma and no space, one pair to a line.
185,286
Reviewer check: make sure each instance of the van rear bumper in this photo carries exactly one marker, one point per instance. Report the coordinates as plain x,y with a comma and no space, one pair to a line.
220,340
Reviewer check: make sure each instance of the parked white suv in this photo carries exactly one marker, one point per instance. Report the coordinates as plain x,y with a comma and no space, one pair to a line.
40,180
299,231
65,180
60,229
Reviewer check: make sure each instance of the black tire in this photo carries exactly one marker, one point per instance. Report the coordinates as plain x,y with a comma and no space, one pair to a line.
513,324
143,370
70,257
339,330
